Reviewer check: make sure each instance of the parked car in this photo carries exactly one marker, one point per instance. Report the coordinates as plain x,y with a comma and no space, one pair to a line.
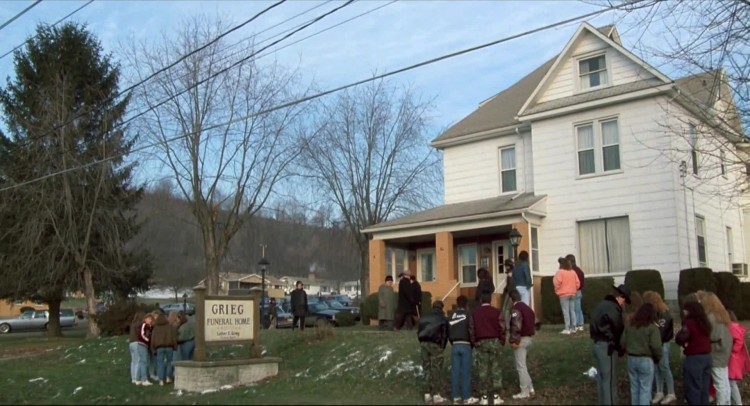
178,307
35,320
284,319
343,299
320,314
333,304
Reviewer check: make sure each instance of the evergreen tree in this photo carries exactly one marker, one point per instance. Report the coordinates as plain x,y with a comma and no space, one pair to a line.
68,208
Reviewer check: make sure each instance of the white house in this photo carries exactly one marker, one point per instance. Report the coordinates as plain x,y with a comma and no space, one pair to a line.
595,153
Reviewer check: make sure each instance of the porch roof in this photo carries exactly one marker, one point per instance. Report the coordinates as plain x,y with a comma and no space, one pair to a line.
457,212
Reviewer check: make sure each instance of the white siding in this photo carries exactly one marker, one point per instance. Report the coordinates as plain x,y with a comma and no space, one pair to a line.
621,69
647,190
472,171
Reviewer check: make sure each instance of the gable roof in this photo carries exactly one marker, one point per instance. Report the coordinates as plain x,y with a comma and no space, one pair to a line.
456,212
704,90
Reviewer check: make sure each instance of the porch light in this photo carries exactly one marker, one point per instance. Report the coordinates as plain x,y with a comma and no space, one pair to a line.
515,238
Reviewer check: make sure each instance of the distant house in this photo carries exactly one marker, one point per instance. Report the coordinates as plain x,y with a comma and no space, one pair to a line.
351,289
594,153
9,308
312,284
231,283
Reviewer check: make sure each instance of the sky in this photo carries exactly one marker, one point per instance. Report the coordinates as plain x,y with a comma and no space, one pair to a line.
395,35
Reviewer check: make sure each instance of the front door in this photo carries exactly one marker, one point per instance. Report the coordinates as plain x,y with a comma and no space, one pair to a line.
502,250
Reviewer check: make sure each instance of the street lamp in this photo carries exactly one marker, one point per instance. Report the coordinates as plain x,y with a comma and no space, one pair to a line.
263,264
515,240
184,302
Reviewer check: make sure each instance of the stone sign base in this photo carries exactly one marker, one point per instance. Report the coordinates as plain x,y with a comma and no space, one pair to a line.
198,376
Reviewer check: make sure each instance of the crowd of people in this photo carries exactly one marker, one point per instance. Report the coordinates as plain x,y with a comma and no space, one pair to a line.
156,340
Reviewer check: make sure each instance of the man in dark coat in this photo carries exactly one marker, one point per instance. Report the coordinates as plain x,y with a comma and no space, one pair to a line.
299,305
606,328
433,336
416,298
406,308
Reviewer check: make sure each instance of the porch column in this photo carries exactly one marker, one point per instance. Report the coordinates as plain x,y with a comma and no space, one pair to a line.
377,264
446,268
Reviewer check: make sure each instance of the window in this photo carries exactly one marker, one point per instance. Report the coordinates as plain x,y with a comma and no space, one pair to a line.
396,261
700,234
467,263
730,247
693,148
508,170
592,72
535,249
426,265
605,245
598,147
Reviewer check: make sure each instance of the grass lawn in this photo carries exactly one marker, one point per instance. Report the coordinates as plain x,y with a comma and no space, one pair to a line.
356,365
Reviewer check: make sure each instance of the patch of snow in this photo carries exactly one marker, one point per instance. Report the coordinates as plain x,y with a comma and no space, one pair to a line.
179,392
385,355
83,361
77,389
225,387
37,379
208,391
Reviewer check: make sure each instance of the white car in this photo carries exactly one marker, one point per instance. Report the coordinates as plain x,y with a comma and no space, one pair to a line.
35,320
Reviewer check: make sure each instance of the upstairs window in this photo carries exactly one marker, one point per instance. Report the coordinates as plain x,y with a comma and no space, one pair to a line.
700,234
598,146
592,72
508,170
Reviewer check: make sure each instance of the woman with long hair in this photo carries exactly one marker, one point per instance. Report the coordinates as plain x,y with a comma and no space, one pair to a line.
642,341
721,344
695,339
739,360
566,285
663,373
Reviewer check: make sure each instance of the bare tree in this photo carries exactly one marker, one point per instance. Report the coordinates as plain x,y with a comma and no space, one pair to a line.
370,156
228,157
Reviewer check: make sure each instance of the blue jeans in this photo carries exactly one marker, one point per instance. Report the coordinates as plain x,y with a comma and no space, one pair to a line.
143,360
663,373
606,378
164,362
696,375
525,294
133,346
186,350
567,303
579,311
461,361
641,374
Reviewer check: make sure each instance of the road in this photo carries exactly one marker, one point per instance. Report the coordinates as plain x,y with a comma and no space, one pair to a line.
79,330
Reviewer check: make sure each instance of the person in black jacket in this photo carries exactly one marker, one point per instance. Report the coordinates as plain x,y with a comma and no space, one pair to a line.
606,327
416,297
433,336
484,285
406,308
662,372
299,305
461,358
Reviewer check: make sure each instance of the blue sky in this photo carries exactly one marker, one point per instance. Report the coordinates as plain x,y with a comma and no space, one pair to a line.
394,36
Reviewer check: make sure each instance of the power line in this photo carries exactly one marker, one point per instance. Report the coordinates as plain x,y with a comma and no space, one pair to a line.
54,24
5,24
330,91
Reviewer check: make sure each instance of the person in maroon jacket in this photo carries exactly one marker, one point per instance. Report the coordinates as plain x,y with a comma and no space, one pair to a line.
695,338
487,333
522,329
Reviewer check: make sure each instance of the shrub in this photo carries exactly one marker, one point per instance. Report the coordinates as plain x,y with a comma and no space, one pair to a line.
551,312
743,310
594,290
426,303
693,280
116,319
728,290
643,280
345,319
368,309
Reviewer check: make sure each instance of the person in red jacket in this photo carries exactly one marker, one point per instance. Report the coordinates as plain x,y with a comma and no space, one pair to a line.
522,329
487,332
695,339
739,361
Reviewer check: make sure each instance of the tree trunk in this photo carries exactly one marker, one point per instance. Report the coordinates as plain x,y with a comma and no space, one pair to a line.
53,323
364,277
88,283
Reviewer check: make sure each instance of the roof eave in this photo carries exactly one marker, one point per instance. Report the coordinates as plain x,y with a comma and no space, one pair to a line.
479,136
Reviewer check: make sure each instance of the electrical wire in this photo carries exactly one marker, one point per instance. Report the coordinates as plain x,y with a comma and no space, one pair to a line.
330,91
24,11
54,24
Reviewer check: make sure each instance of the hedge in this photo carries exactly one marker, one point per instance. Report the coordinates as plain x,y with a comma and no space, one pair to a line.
728,290
645,279
116,320
693,280
594,291
345,319
743,310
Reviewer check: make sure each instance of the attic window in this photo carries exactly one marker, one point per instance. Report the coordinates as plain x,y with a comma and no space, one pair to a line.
592,72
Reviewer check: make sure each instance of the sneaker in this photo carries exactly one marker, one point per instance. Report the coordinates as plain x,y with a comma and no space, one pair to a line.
496,400
146,383
566,332
457,401
532,393
169,380
161,383
521,396
437,399
134,382
471,401
484,401
668,399
657,398
154,378
579,328
427,398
